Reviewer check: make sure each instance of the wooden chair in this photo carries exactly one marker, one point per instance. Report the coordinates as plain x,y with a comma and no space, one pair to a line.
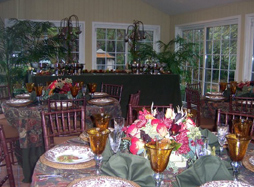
195,86
11,133
241,104
66,104
134,101
113,90
134,110
5,158
226,117
61,125
193,99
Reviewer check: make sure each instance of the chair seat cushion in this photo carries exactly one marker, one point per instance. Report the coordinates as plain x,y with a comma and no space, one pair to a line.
10,132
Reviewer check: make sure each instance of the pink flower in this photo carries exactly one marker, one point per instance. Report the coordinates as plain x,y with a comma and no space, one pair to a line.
189,123
140,123
168,122
133,131
155,121
136,145
162,129
183,139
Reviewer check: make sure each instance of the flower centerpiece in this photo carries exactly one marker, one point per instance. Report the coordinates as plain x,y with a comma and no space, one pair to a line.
60,86
178,128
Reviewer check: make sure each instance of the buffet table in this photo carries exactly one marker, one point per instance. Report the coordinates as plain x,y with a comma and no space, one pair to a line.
160,89
27,120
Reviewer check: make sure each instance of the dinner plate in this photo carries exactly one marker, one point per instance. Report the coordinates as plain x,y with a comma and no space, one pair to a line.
251,160
215,93
70,154
65,105
244,102
18,102
101,101
99,94
225,183
23,96
215,98
102,181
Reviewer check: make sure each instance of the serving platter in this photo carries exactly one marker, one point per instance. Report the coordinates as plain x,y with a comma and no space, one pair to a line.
225,183
99,94
101,101
102,181
215,98
23,96
18,102
69,157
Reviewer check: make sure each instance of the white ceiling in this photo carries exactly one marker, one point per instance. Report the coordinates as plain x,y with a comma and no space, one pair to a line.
173,7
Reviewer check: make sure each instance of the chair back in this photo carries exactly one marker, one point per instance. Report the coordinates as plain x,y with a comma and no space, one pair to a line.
241,104
193,102
5,93
113,90
226,117
4,157
66,104
134,101
62,123
134,110
195,86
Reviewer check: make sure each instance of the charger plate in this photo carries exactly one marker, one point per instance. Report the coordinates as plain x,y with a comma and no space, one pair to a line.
225,183
101,101
102,181
215,98
247,164
18,102
23,96
68,157
65,105
99,94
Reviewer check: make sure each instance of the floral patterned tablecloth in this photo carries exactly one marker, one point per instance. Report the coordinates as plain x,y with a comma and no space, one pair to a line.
69,175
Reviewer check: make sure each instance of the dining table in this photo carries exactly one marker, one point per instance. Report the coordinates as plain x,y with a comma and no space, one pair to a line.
27,120
47,174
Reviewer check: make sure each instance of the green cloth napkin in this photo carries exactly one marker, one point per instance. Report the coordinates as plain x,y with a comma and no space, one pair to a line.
213,140
207,168
131,167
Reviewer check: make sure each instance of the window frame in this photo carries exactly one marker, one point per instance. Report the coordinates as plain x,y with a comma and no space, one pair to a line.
213,23
108,25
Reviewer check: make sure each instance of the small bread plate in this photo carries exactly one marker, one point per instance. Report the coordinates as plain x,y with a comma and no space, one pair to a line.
23,96
225,183
65,105
18,102
102,181
215,93
101,101
99,94
215,98
69,157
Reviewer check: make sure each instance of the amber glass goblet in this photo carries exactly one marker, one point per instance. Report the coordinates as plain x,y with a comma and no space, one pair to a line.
74,91
38,90
158,153
242,127
223,86
102,120
98,139
92,88
29,87
233,85
237,147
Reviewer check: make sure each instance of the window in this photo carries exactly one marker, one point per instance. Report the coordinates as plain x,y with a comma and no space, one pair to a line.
109,49
217,46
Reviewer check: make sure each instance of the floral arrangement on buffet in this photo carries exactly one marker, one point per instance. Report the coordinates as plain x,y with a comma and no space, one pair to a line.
178,128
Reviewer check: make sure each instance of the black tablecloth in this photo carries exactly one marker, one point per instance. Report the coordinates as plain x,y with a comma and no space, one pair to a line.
160,89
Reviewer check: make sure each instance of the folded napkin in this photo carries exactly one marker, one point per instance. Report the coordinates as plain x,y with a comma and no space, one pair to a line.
207,168
131,167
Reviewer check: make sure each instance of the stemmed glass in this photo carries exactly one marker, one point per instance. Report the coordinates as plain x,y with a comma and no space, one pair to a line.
74,91
115,140
30,87
158,153
237,147
102,120
38,90
119,123
222,131
201,146
233,85
223,86
98,139
92,88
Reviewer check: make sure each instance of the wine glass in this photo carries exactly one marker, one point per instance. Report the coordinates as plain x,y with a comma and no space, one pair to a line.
38,90
233,87
102,120
242,127
92,88
201,146
98,139
29,87
74,91
222,131
223,86
237,147
115,140
158,153
119,123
